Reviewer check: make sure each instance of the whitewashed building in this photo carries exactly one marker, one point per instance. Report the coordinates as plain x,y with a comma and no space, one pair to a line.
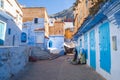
10,23
56,36
68,25
35,32
99,37
35,27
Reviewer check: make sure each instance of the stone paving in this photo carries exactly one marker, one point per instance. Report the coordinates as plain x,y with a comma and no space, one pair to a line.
57,69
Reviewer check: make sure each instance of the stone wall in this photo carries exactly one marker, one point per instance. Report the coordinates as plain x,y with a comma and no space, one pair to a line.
12,60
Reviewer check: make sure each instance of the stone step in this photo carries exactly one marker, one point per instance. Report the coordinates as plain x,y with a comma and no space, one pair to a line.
39,53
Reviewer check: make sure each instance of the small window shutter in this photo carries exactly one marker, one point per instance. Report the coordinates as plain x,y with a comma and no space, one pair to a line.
36,20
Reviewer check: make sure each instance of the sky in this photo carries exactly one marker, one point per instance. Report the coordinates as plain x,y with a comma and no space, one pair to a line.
53,6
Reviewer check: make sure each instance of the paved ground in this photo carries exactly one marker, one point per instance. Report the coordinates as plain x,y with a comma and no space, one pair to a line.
57,69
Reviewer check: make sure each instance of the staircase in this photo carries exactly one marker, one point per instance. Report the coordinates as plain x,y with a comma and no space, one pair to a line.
40,54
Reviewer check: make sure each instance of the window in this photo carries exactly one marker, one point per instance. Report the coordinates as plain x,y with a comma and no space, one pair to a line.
51,22
1,4
9,31
36,20
2,33
23,37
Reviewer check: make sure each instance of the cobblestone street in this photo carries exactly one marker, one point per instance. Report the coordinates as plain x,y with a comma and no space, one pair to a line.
57,69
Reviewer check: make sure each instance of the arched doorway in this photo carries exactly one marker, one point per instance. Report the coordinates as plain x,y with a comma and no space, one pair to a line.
50,44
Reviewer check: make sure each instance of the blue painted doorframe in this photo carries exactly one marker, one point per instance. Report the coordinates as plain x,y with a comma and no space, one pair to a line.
105,54
92,50
86,45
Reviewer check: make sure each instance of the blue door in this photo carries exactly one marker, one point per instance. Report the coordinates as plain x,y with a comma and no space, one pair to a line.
50,44
2,33
86,45
92,50
105,54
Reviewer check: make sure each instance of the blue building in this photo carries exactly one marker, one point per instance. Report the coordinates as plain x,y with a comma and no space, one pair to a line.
99,36
10,23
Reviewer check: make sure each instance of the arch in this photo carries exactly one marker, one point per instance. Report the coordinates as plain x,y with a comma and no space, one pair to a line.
50,44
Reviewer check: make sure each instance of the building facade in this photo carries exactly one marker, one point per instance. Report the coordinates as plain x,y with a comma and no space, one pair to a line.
99,37
10,23
57,28
56,35
69,30
29,13
35,26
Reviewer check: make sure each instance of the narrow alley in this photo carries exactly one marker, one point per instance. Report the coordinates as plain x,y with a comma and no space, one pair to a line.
38,36
57,69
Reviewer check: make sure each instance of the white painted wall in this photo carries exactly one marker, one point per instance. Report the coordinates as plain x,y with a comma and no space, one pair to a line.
115,55
68,25
14,9
51,21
